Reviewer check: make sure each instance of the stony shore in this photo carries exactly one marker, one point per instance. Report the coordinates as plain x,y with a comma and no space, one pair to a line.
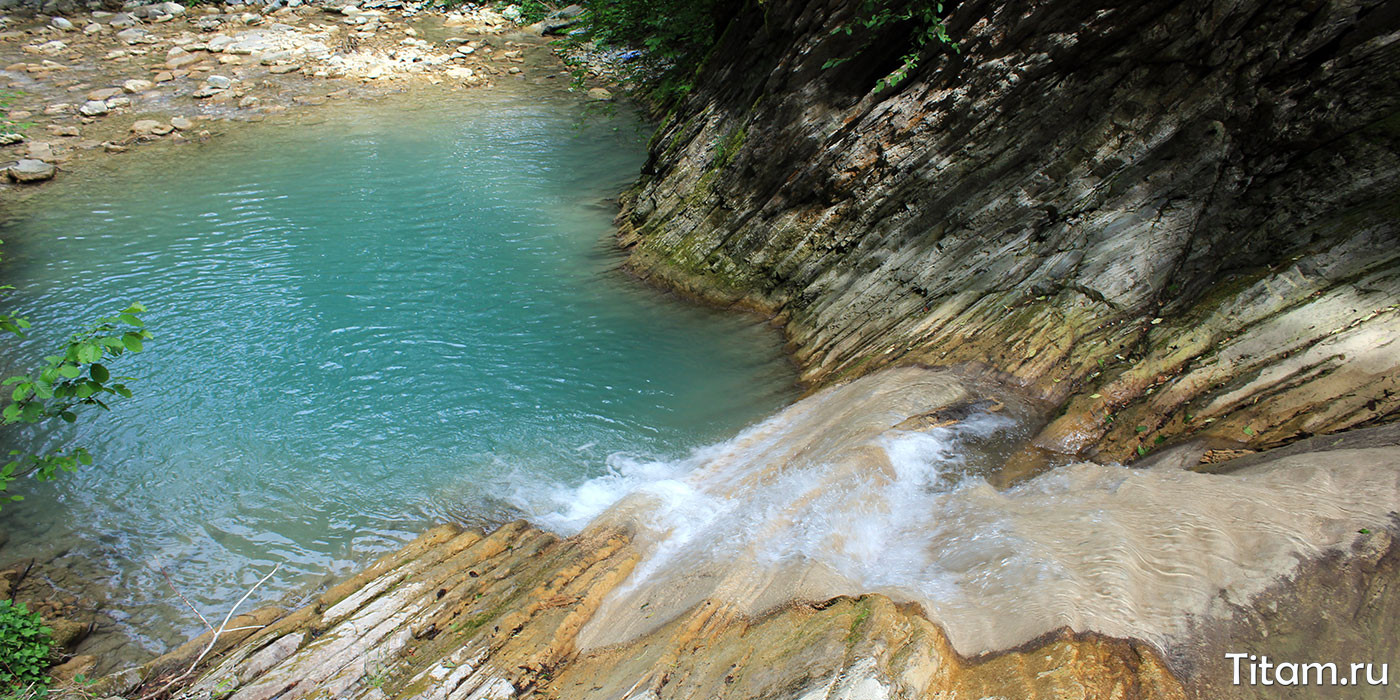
87,86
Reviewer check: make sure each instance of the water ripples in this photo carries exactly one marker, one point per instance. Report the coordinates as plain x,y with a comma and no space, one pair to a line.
386,319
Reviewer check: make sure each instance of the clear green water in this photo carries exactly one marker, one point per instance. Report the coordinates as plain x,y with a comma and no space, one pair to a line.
403,314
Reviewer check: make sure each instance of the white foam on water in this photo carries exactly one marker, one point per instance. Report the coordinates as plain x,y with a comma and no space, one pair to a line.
828,498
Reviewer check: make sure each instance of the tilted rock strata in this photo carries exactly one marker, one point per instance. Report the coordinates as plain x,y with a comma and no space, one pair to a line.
457,615
1173,218
460,615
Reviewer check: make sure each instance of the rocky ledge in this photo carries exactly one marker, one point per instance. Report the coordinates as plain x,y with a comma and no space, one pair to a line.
522,613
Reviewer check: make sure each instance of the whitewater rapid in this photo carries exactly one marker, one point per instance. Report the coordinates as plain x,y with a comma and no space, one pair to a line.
836,495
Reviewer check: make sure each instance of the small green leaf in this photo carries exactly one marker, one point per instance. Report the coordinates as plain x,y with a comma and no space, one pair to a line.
99,373
89,352
132,341
68,416
1141,450
1142,428
1095,396
1248,430
70,371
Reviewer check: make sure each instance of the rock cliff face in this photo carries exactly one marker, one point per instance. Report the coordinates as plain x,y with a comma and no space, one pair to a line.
1169,218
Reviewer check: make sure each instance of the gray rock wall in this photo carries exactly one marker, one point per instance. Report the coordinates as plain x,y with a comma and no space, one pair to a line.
1185,210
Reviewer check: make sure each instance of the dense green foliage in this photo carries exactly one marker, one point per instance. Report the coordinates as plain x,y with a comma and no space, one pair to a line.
925,25
674,36
533,10
75,377
677,35
24,649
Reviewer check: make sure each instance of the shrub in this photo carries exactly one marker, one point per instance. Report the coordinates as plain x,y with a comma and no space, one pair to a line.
24,648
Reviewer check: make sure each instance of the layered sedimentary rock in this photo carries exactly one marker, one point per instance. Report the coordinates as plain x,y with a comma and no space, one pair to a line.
1089,582
1174,218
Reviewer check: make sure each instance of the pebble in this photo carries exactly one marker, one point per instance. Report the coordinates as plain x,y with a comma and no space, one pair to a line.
181,123
137,85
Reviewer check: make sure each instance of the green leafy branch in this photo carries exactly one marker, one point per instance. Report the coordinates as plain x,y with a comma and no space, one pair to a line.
74,378
928,30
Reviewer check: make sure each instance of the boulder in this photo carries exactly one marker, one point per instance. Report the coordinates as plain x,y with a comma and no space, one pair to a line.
61,24
136,35
66,633
51,48
104,93
181,123
600,94
94,108
146,126
182,60
30,170
67,671
221,42
40,150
